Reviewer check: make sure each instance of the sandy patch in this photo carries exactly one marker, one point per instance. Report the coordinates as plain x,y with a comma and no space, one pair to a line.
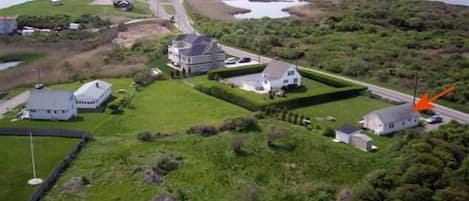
216,9
315,10
101,2
138,32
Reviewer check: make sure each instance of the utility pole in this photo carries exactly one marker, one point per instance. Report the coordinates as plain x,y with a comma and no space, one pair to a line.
296,56
415,87
34,180
258,51
158,8
38,70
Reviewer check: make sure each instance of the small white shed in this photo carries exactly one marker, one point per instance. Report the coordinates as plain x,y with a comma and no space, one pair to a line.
363,142
344,134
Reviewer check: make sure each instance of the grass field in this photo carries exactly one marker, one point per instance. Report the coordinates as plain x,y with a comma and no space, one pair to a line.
347,111
15,163
211,171
163,106
74,8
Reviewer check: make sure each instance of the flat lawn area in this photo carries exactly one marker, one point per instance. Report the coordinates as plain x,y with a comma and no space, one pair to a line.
74,8
347,111
211,171
311,87
15,162
169,9
162,106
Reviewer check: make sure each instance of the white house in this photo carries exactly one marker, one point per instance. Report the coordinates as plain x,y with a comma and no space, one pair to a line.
7,25
344,134
92,94
74,26
278,75
195,54
47,104
391,119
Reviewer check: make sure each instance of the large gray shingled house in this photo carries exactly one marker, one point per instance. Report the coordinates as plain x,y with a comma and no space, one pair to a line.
48,104
195,54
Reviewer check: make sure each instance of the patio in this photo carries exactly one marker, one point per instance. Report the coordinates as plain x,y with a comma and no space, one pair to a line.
251,82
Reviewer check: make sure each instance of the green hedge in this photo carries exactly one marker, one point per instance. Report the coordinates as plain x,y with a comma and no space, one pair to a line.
230,72
326,79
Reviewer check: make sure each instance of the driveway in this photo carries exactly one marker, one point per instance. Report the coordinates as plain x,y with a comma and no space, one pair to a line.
14,102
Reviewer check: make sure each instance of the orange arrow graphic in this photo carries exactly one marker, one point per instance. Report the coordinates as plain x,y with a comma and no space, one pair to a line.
426,104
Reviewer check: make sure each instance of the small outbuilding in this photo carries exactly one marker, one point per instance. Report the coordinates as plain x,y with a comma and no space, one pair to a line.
363,142
8,25
74,26
47,104
344,134
92,94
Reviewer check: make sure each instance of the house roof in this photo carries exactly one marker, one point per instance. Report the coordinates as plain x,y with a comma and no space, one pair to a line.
49,99
363,137
197,49
276,69
395,113
199,44
93,89
193,38
347,129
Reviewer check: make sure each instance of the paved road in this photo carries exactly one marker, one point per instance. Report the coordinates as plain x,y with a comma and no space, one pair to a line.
14,102
184,24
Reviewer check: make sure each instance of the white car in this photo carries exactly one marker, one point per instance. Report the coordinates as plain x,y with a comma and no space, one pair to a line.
231,61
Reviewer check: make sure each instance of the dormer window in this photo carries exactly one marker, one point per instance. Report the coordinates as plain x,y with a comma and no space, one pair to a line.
290,73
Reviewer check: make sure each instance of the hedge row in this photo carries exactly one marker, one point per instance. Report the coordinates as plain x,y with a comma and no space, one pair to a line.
326,79
230,72
340,93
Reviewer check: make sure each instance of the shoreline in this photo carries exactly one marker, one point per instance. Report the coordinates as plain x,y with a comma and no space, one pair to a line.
216,9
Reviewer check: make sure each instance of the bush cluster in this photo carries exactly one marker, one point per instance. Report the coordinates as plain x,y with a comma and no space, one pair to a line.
147,136
239,124
203,130
143,78
168,163
230,72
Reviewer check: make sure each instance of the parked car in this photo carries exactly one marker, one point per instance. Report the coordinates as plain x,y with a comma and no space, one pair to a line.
230,61
435,119
244,60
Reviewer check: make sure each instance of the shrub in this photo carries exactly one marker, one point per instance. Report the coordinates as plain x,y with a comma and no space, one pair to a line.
145,136
259,115
237,146
328,132
168,163
239,124
274,134
203,130
143,78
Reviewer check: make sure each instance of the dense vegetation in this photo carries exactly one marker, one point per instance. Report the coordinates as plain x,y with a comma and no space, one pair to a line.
429,167
379,41
60,21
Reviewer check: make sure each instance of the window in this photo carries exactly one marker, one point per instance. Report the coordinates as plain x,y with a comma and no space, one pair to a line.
265,81
48,111
295,80
285,81
391,125
291,73
33,110
55,111
63,111
403,123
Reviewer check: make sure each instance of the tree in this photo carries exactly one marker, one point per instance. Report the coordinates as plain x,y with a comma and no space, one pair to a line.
411,192
274,134
328,132
237,145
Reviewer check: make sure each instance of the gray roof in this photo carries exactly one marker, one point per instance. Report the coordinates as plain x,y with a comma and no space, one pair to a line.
200,44
395,113
92,90
276,69
48,99
347,129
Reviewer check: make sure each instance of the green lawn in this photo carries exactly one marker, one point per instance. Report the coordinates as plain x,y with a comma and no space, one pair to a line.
15,163
74,8
162,106
211,171
169,9
347,111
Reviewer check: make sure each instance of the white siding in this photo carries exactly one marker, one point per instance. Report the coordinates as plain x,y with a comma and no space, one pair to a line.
87,102
43,114
373,122
344,137
285,80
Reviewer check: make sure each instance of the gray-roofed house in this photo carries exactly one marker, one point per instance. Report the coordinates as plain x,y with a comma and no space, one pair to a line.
344,134
279,74
391,119
195,54
48,104
92,94
8,25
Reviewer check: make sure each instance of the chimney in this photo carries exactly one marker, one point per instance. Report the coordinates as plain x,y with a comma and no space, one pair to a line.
97,84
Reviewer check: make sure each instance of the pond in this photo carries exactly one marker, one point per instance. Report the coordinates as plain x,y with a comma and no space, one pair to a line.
455,2
9,3
264,9
8,65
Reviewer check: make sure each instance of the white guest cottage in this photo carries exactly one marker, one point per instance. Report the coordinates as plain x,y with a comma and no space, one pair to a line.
47,104
92,94
279,74
344,134
391,119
